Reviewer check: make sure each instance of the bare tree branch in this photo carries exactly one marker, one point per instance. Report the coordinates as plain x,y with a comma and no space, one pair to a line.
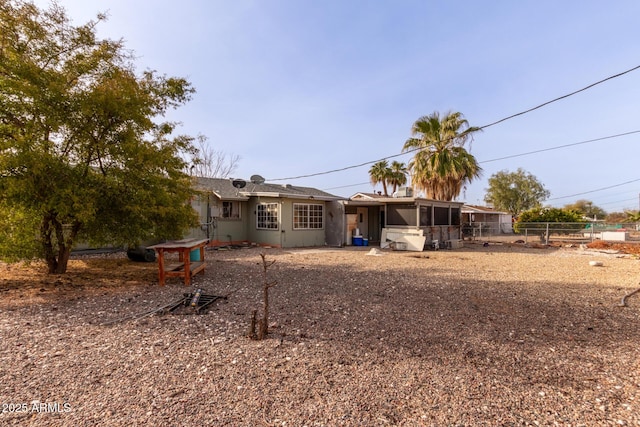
212,163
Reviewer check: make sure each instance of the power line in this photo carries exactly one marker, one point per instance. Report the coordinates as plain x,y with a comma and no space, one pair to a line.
560,146
618,194
481,127
342,169
562,97
345,186
596,190
634,199
557,147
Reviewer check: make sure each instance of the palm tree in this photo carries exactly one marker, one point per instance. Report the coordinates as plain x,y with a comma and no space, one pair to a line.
633,216
379,174
441,165
397,175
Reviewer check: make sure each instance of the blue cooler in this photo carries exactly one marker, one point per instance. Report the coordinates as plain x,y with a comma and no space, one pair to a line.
357,241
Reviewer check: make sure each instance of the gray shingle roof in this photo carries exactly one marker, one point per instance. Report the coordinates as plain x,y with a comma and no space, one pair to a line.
223,188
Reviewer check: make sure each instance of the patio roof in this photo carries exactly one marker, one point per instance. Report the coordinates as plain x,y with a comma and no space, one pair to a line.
482,209
379,200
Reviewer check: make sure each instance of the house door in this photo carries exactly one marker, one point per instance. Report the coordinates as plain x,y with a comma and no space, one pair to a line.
363,221
334,224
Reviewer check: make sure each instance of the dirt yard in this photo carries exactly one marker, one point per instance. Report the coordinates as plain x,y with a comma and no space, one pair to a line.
483,335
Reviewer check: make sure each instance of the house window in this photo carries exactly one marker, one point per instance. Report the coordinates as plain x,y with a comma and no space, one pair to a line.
231,210
307,216
267,216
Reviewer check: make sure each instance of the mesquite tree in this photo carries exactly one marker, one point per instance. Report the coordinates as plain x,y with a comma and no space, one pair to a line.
80,147
515,192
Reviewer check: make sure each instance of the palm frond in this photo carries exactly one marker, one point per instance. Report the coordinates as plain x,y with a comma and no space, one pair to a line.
442,165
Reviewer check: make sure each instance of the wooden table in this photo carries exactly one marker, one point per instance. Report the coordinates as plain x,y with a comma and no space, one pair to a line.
184,267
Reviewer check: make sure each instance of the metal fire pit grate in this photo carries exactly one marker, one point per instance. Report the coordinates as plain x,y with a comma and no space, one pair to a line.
193,303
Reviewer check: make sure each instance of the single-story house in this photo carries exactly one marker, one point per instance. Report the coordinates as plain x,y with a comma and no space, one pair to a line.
278,215
384,219
483,220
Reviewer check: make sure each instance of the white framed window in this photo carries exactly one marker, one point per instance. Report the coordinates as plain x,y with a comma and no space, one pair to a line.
231,210
267,216
308,216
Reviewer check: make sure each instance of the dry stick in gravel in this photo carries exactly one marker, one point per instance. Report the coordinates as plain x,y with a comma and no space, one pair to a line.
263,324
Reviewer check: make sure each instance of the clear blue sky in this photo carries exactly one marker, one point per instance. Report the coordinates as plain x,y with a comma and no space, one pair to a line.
304,86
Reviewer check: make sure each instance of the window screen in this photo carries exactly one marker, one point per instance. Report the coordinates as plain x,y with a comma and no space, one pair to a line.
401,215
440,216
455,216
425,216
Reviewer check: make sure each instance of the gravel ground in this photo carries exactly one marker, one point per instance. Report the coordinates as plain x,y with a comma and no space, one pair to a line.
478,336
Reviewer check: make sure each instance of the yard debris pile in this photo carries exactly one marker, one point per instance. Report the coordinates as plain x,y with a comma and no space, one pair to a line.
503,335
627,248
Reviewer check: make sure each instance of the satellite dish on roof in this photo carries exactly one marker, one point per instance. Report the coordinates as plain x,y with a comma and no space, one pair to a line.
239,183
257,179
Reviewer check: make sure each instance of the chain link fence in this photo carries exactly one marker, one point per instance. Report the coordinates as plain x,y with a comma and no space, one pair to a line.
549,232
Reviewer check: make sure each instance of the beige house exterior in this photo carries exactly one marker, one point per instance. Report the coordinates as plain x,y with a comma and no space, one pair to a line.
276,215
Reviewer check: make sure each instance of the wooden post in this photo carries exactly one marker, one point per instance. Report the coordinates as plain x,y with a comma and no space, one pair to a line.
187,266
161,266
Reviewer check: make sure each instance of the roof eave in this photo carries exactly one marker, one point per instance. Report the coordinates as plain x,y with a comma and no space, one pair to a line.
237,197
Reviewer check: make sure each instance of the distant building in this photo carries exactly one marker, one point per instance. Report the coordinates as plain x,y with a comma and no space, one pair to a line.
483,220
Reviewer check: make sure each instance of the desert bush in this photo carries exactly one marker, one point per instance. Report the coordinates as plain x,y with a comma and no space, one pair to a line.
561,221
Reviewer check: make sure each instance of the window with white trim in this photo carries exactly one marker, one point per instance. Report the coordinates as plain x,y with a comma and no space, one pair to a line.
308,216
231,210
267,216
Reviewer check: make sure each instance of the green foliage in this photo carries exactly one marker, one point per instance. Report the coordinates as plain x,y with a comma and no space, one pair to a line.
587,208
632,216
515,192
18,235
379,173
562,221
394,175
397,176
550,215
79,147
441,165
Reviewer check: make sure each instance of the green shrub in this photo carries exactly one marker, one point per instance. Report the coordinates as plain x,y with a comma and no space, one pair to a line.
561,221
